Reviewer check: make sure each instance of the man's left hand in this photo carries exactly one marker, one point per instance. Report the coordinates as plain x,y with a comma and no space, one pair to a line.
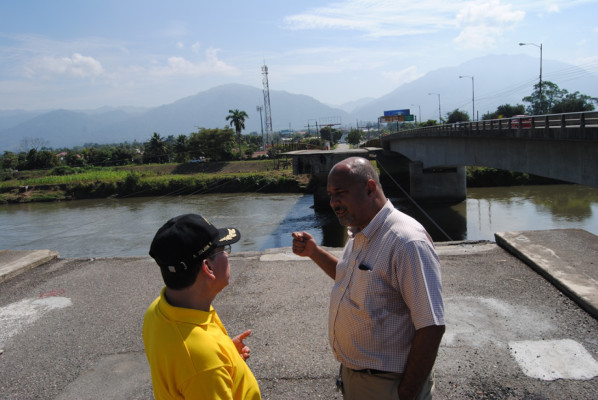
241,347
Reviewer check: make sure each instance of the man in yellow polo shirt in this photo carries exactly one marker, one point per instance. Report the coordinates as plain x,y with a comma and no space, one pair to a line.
189,351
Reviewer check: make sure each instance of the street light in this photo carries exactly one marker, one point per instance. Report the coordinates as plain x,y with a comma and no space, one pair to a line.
540,91
439,113
259,109
420,112
472,96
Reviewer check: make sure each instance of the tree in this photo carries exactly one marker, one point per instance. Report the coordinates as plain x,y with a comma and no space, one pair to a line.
430,122
215,144
331,134
457,116
156,150
27,144
354,136
551,94
40,159
506,111
574,102
73,159
181,149
237,119
9,160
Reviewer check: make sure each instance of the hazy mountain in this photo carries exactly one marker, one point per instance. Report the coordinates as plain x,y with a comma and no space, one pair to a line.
352,105
60,128
10,118
497,80
206,109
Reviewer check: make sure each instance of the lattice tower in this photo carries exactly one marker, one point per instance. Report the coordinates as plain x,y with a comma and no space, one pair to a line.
267,113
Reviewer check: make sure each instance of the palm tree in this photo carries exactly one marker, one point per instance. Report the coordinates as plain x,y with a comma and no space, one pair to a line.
157,149
237,119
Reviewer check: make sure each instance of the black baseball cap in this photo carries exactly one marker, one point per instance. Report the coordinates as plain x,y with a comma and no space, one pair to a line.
187,239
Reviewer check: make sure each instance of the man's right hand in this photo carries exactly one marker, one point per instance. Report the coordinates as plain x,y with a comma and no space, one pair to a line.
303,244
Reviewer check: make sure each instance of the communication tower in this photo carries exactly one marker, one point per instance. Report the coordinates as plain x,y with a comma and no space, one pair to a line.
267,113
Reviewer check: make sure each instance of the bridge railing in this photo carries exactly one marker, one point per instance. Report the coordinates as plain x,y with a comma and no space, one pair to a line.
566,120
538,123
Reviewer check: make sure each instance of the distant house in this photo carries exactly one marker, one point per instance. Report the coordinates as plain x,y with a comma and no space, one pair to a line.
63,154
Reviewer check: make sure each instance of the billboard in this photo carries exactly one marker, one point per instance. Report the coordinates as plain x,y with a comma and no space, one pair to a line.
398,118
397,112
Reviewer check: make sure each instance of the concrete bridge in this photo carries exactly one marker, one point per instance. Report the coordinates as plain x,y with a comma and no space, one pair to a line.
559,146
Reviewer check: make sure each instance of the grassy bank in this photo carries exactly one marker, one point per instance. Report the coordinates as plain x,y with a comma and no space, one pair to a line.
266,176
64,183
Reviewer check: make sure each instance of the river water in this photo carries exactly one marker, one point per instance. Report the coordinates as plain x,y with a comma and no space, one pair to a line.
125,227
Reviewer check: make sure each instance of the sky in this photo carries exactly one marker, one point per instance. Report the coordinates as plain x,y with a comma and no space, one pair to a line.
76,54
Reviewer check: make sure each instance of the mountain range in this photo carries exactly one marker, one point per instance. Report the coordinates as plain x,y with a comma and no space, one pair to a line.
496,80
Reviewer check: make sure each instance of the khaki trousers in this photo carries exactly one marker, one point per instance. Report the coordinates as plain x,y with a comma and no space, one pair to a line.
379,386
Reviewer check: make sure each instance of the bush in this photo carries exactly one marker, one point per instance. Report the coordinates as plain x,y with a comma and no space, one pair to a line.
63,170
132,181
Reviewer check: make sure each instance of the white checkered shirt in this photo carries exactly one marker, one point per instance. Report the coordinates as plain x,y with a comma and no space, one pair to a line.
388,285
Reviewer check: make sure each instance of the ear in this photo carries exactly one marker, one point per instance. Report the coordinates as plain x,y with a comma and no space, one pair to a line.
371,187
207,270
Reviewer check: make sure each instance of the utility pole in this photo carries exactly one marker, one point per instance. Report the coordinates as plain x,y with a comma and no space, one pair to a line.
259,109
472,96
540,90
439,113
419,116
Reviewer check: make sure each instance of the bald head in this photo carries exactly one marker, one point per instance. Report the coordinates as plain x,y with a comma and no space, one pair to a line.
356,195
359,169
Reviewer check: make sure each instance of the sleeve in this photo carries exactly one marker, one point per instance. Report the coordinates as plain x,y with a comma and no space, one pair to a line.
420,283
212,384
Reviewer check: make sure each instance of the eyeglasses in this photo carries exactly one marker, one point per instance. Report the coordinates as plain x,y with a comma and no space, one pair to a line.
223,249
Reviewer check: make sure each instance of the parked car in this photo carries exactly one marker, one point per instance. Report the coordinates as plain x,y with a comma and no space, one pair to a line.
525,120
198,160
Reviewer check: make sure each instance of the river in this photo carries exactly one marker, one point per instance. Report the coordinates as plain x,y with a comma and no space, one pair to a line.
125,227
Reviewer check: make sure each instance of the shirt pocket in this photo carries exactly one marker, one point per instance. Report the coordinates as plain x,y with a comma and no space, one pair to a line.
359,287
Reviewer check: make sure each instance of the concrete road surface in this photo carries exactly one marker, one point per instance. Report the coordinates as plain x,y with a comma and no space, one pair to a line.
71,328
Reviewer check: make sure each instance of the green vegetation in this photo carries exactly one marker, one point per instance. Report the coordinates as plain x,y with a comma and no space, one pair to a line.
65,183
490,177
554,100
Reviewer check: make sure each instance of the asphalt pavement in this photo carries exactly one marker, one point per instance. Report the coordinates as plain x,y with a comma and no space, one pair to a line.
520,313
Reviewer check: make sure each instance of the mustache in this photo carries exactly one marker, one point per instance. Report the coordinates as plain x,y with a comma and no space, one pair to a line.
339,208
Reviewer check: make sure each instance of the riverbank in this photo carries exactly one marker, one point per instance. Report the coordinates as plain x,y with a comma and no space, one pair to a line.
66,183
266,176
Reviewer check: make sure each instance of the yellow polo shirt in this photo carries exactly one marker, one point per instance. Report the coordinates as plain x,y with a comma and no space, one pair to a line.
192,357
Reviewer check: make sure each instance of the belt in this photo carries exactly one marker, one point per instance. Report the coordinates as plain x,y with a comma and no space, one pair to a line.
371,371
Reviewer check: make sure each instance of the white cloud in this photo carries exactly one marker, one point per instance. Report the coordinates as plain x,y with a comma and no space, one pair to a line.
553,8
179,66
180,45
482,22
195,47
77,65
378,18
403,76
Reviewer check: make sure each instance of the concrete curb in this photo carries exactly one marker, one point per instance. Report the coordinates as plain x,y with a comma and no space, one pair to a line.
552,255
15,262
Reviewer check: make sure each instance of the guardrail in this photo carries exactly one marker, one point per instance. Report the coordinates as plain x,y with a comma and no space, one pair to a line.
550,125
567,120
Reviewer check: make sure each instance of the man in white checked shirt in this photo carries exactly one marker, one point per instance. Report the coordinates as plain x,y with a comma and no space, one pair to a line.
386,316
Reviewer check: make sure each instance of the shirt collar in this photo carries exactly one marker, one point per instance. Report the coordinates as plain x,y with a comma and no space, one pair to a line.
374,224
187,315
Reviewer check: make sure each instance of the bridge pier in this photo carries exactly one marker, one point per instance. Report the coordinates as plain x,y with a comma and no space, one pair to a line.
318,163
440,185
